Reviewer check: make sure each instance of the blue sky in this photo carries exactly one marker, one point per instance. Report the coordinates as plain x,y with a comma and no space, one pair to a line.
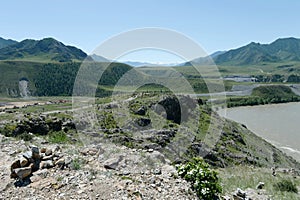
215,24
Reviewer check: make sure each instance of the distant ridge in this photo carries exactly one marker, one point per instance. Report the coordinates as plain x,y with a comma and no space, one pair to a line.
5,43
281,50
45,49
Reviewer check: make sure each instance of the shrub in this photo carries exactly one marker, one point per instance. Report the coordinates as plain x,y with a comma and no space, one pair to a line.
286,186
204,181
8,130
58,137
25,136
76,164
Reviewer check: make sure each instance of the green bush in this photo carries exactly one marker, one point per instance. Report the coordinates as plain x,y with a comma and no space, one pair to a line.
8,130
76,164
286,186
25,136
58,137
205,181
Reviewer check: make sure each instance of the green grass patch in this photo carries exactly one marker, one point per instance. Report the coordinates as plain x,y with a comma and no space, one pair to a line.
76,164
248,177
286,185
59,137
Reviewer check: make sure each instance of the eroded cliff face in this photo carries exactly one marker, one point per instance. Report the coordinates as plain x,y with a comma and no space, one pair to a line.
24,88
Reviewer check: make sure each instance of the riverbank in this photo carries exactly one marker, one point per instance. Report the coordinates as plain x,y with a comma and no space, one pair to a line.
276,123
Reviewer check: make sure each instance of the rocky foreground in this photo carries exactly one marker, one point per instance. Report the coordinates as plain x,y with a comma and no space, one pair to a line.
96,172
125,162
106,171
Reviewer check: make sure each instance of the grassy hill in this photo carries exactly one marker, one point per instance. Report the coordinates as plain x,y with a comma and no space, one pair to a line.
44,50
281,50
265,94
287,49
273,91
53,79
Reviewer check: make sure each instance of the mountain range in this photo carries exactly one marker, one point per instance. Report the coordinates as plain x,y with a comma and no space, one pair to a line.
281,50
49,49
5,43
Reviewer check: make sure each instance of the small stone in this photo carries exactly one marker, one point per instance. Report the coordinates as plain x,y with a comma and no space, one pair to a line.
43,150
24,162
48,152
260,185
93,151
35,165
28,155
16,164
35,152
11,153
23,172
157,171
240,193
80,191
60,162
42,173
35,178
150,150
46,164
226,197
112,163
68,160
57,148
50,157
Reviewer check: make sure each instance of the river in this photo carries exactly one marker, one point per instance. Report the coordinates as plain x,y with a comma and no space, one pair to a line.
278,123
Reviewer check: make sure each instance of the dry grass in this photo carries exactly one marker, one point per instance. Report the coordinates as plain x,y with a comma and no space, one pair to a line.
248,177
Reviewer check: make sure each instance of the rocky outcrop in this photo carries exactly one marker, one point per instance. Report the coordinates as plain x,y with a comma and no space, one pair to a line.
42,125
177,109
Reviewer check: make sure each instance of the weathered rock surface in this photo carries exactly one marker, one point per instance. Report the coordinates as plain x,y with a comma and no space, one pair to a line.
23,172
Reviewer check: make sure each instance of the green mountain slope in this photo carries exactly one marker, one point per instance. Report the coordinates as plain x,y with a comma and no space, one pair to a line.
287,49
47,49
281,50
53,79
5,43
252,53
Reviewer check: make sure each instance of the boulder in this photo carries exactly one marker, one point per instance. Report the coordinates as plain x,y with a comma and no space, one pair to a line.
112,163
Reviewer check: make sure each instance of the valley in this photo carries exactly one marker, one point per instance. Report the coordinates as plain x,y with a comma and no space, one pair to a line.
143,123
